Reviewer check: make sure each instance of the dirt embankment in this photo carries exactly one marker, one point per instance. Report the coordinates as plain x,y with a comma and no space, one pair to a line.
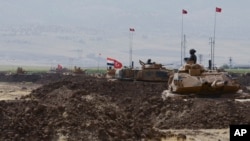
87,108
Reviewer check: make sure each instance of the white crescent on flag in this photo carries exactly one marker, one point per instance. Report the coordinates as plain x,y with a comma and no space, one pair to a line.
117,64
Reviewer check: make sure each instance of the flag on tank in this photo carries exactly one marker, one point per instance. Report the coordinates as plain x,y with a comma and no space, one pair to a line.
113,62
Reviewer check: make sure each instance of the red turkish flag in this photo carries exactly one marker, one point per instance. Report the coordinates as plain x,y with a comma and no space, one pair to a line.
59,67
184,11
217,9
117,64
131,29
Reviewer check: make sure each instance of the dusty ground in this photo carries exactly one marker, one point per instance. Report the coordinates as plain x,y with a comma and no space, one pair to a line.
87,108
15,90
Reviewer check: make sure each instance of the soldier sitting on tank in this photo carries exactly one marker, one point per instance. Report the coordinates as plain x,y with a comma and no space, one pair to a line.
149,62
191,63
192,59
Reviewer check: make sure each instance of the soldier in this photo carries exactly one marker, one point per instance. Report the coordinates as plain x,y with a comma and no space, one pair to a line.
149,61
192,56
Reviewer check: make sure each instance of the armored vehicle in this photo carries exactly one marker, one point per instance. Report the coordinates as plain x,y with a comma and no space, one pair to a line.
127,74
78,70
195,79
110,73
152,71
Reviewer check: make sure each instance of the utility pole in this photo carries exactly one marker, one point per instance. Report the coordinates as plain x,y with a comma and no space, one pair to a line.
132,30
230,62
200,58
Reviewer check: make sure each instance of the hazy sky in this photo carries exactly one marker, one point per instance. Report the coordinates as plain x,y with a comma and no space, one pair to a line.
76,31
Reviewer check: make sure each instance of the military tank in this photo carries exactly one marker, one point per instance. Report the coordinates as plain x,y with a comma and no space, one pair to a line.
153,72
195,79
126,74
150,72
78,71
110,74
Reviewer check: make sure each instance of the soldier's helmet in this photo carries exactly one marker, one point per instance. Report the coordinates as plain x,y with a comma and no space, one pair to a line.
192,51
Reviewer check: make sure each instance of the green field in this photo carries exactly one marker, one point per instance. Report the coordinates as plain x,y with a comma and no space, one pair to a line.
242,71
40,69
37,69
26,68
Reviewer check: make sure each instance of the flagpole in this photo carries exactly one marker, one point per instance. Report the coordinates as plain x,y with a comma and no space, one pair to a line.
211,54
181,36
130,48
216,10
213,61
184,45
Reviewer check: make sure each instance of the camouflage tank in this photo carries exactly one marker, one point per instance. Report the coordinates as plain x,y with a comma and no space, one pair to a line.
20,70
127,74
152,72
78,71
195,79
110,74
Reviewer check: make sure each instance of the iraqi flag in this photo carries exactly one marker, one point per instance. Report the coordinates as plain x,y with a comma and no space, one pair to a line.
114,62
110,61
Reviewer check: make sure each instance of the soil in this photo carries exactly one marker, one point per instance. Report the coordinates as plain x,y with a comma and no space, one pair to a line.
72,108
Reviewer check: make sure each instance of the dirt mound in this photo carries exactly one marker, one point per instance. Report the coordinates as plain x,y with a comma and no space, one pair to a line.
19,77
202,113
41,78
88,108
76,110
